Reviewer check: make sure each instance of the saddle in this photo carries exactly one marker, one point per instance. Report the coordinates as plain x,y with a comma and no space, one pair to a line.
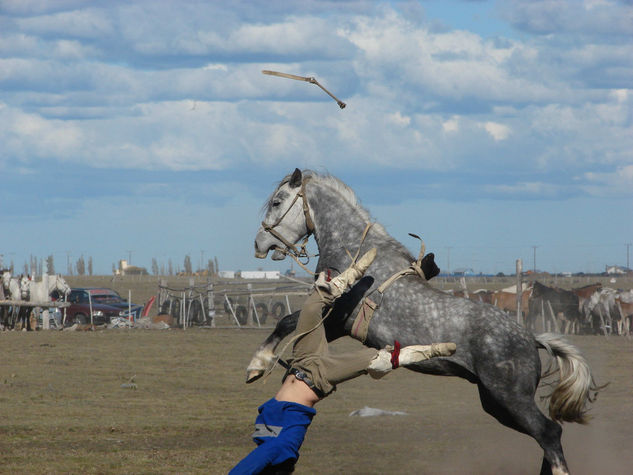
425,267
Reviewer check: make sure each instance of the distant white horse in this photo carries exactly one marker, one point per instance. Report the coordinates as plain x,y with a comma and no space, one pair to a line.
601,308
41,291
14,288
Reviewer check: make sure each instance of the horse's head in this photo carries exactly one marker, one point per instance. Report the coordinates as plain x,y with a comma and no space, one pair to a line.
6,278
287,219
24,287
59,284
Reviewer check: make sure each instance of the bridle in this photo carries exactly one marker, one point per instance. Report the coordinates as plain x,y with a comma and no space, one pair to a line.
292,250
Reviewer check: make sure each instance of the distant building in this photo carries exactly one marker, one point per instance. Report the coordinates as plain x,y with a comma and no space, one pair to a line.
616,270
126,269
260,274
464,272
250,274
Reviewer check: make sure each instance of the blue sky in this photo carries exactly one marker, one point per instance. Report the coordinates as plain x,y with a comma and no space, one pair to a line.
146,128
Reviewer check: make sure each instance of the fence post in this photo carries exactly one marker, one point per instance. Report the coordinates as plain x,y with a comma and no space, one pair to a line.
210,305
249,307
288,304
161,294
182,310
228,302
519,289
462,283
553,317
254,309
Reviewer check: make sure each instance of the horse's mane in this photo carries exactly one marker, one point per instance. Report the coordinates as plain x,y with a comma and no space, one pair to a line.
336,186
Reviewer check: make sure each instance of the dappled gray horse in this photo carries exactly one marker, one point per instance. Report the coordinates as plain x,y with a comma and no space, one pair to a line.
493,352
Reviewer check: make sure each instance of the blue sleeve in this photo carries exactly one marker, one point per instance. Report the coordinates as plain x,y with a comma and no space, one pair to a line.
258,459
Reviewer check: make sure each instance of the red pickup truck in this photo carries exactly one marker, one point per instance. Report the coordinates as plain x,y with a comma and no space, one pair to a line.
105,304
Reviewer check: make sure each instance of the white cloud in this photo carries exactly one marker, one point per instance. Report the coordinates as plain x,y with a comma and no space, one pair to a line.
525,189
453,65
30,137
607,183
567,16
451,125
459,118
497,131
83,23
432,100
215,67
398,119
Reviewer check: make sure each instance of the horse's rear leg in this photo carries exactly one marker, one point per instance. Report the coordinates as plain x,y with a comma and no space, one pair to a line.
520,412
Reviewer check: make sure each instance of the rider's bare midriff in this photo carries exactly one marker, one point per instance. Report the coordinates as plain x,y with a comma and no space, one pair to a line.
295,390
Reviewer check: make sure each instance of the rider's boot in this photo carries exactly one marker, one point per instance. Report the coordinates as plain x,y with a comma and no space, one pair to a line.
388,358
339,284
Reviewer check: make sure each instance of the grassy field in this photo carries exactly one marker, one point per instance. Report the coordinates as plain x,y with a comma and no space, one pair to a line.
69,406
174,401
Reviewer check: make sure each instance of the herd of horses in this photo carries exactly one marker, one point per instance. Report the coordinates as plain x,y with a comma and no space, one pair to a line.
22,298
591,309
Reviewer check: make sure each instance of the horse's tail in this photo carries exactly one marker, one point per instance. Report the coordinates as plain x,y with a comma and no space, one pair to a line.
576,387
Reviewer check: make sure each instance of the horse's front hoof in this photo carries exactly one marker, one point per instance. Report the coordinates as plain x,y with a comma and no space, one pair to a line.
254,375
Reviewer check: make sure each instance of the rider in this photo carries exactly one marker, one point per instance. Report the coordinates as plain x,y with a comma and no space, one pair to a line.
283,421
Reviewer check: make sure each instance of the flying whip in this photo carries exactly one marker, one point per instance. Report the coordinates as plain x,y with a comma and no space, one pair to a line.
311,80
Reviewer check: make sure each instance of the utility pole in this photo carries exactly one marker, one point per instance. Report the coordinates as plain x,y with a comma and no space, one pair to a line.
201,259
534,259
69,268
129,258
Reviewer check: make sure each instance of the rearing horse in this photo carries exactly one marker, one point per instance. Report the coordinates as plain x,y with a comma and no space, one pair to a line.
493,351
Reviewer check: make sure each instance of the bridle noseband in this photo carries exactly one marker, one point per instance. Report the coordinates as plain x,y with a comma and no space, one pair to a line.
292,250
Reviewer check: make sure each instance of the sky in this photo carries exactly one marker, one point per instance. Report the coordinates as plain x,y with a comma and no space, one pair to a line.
141,130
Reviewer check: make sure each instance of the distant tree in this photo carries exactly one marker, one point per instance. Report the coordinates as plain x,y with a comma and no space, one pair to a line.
162,268
90,265
26,268
154,266
187,265
217,266
12,267
50,265
113,269
81,266
40,266
170,267
210,268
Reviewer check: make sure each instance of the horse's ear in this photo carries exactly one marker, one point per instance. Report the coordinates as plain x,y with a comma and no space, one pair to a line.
295,179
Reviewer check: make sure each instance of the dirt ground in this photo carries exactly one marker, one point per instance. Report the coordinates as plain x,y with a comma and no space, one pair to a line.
174,401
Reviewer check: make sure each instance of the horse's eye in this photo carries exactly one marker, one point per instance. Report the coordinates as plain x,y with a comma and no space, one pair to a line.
276,203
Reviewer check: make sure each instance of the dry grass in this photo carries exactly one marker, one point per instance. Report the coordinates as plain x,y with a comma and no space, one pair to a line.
64,411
